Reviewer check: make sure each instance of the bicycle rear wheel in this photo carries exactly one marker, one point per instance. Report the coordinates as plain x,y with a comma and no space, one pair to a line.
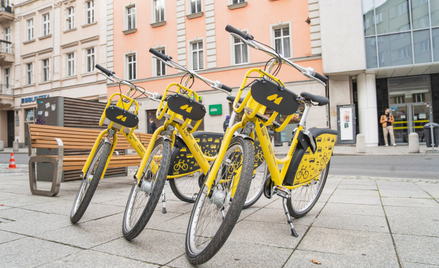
304,198
144,196
256,185
90,181
214,216
186,188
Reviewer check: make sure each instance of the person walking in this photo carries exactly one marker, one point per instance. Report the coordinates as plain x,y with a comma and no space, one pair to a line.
386,121
226,123
152,126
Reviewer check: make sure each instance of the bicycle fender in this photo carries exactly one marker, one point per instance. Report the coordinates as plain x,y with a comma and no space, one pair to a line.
307,163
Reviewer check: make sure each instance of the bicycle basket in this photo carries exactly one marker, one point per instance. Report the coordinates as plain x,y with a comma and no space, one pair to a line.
274,96
187,107
121,116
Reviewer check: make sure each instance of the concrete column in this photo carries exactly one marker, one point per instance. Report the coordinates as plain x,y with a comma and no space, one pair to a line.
367,108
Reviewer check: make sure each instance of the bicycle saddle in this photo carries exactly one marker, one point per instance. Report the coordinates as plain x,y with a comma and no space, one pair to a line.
319,99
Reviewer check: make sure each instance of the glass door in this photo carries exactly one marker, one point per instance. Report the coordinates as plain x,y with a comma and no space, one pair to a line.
401,125
420,117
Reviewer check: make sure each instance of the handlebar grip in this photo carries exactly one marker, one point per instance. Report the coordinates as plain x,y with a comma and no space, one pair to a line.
232,29
321,77
105,71
160,55
226,88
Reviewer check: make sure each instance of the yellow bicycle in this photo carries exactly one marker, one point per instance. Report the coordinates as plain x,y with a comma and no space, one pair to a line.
219,202
119,118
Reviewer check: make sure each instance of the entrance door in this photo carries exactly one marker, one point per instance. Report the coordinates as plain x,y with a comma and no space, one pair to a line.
402,121
409,118
10,128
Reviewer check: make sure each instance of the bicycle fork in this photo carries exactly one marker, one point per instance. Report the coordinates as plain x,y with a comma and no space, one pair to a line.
285,194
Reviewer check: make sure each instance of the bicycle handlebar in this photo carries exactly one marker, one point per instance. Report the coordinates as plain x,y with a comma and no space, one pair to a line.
112,76
168,61
232,29
105,71
160,55
248,39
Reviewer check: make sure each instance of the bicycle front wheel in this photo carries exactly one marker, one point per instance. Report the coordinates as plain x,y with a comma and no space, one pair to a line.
144,196
90,181
214,216
305,197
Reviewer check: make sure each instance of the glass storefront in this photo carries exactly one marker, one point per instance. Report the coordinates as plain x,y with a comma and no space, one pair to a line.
400,32
410,100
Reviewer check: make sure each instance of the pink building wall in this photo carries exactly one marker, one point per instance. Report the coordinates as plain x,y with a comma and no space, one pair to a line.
257,17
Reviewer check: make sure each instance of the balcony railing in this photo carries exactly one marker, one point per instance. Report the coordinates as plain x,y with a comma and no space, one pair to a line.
7,9
6,47
5,89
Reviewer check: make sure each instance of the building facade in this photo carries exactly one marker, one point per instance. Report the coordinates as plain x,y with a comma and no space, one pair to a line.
193,33
383,53
49,49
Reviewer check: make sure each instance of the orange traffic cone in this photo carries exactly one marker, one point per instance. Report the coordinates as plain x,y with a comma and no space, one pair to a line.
12,161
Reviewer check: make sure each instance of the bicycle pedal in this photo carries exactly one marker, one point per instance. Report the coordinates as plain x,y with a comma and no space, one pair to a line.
282,192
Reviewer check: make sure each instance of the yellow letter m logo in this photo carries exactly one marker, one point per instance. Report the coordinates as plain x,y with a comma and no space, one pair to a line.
186,108
275,98
122,118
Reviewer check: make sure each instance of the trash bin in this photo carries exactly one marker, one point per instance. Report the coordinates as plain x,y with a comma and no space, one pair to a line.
427,134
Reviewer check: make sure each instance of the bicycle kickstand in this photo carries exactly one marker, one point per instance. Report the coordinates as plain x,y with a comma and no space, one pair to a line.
164,200
289,220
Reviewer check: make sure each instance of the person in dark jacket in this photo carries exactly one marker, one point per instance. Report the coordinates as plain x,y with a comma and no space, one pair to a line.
152,126
226,123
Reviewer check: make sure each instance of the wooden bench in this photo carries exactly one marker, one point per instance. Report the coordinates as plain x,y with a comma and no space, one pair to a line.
78,142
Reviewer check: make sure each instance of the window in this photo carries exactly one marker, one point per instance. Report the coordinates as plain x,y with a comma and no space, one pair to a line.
197,55
240,51
158,10
131,17
131,66
195,6
8,38
90,58
7,78
238,1
45,70
401,9
29,73
70,18
70,64
379,18
159,66
282,41
46,24
419,97
90,12
30,29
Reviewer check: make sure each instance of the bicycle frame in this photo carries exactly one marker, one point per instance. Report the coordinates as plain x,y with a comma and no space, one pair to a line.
112,130
175,122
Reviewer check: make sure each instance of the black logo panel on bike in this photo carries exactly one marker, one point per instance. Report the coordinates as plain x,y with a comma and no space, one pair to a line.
187,107
274,96
122,117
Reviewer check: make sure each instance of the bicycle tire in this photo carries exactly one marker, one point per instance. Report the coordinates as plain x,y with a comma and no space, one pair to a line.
304,198
256,186
186,188
88,187
143,199
200,246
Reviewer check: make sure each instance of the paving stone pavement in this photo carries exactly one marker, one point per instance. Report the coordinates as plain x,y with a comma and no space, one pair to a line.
358,222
